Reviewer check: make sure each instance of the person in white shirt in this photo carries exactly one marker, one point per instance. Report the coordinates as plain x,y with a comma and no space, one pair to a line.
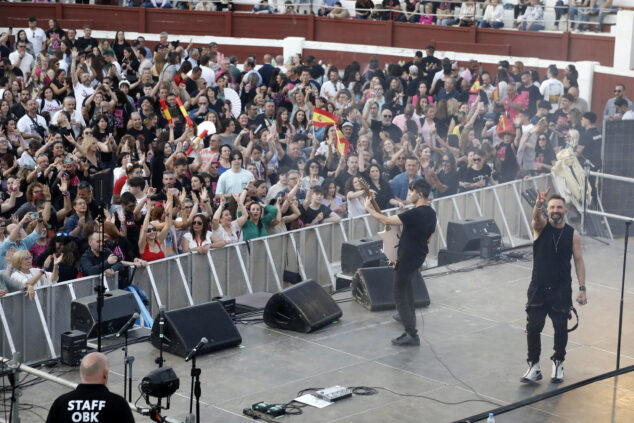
31,124
493,15
223,224
22,59
76,119
35,35
623,109
32,277
552,88
199,238
81,83
332,86
234,180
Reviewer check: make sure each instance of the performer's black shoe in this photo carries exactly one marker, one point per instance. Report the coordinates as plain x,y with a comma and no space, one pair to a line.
396,317
406,340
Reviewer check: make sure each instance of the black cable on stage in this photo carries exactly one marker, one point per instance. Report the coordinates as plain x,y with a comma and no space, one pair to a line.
545,395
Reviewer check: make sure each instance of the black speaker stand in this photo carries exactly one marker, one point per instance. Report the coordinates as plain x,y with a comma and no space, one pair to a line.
195,390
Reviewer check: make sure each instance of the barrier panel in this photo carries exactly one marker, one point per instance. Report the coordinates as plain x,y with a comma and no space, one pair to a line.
34,327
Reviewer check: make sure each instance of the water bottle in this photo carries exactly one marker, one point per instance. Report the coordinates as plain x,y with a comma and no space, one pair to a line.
491,418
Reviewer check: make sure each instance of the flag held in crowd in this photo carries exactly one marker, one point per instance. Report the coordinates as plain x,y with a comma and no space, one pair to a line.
166,111
323,118
505,124
343,145
184,112
475,88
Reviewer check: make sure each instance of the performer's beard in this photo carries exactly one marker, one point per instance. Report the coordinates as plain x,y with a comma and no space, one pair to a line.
556,218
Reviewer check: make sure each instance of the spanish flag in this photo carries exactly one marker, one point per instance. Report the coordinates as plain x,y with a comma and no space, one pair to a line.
323,118
505,125
496,93
343,146
475,88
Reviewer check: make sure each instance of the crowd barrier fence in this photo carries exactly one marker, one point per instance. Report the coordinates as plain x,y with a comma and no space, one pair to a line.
34,327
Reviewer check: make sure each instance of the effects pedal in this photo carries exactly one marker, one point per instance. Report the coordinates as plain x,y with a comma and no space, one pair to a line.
276,411
334,393
261,407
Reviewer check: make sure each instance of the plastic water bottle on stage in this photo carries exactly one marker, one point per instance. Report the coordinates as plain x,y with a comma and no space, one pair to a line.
491,418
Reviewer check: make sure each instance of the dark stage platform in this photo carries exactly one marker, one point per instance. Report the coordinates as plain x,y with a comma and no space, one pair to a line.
473,340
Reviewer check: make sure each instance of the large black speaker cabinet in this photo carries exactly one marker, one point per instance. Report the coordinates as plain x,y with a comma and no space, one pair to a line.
464,235
364,252
185,327
304,307
372,287
118,307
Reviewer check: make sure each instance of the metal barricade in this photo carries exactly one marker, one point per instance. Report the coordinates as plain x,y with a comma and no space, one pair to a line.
34,327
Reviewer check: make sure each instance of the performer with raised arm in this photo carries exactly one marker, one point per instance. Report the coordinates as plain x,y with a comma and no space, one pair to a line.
419,223
550,290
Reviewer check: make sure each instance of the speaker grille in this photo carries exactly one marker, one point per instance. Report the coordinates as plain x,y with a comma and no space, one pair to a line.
372,287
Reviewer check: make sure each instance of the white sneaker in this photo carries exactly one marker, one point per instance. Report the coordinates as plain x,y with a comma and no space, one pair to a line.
533,374
558,372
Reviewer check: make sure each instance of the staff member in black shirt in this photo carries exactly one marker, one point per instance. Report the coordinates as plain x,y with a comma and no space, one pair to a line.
419,223
91,401
550,290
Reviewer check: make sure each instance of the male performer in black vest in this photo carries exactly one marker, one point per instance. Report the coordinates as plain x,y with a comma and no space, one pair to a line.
550,290
419,223
91,401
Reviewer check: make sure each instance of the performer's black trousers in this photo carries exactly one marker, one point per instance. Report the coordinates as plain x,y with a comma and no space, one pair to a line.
535,320
404,297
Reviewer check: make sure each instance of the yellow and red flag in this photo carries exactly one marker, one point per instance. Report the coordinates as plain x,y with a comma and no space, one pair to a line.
475,88
184,112
496,93
343,145
505,125
323,118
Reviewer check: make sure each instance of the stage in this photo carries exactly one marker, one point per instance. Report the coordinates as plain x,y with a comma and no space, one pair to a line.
474,325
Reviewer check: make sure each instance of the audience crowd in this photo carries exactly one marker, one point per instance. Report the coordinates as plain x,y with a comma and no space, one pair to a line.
101,163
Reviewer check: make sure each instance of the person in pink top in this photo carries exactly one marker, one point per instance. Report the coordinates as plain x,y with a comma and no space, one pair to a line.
427,18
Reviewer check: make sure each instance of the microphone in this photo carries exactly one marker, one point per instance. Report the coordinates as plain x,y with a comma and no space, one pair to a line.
127,325
161,321
192,353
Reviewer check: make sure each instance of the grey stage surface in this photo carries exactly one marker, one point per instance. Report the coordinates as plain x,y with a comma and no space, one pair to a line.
476,326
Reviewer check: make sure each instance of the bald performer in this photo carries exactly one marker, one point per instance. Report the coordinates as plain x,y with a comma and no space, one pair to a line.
91,401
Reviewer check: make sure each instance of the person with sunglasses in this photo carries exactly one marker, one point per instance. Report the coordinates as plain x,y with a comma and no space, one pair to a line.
200,238
610,112
151,242
478,175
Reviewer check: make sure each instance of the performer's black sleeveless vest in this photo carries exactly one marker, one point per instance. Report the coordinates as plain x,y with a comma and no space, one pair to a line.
551,282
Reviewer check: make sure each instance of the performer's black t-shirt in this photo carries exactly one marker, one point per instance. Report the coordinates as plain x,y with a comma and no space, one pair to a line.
90,403
419,224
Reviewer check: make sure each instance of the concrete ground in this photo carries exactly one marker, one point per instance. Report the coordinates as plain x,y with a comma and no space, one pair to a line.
473,341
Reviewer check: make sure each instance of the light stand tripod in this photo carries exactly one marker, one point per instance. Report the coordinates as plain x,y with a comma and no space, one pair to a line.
195,390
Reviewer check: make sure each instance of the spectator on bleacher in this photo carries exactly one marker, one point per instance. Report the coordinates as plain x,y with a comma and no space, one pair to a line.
493,15
410,7
467,13
263,8
313,211
602,8
36,36
18,240
533,17
578,16
609,112
623,109
363,9
87,42
390,10
445,12
590,142
338,11
426,16
159,4
400,183
578,102
21,59
552,88
21,36
545,157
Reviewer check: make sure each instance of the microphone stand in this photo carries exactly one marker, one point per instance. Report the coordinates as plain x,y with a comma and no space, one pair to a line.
195,389
618,348
127,363
160,360
100,288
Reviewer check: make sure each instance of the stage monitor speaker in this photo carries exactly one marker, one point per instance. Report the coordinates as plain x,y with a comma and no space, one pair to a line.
185,327
304,307
464,235
118,307
372,287
364,252
446,257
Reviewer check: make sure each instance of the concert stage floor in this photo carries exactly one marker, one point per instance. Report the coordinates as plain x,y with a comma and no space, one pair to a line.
475,325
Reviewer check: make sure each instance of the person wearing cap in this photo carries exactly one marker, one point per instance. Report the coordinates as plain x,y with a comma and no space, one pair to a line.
36,36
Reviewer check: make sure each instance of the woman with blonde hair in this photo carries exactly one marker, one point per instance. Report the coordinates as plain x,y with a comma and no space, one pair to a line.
29,276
